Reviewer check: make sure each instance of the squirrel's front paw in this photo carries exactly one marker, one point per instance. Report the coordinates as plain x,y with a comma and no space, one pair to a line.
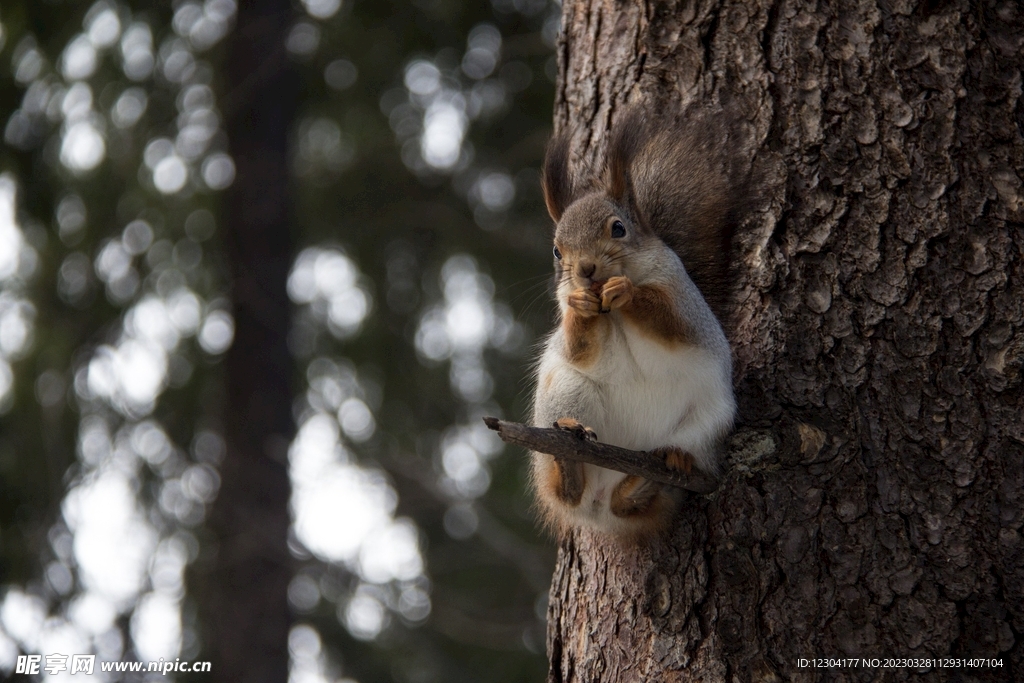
585,303
675,458
616,293
573,425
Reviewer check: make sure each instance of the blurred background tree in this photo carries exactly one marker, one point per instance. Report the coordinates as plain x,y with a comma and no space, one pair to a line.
417,285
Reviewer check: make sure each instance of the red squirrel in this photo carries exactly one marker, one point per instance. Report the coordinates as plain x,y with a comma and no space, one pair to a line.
639,358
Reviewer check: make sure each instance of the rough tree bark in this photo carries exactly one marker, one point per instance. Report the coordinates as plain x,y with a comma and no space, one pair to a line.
874,495
245,607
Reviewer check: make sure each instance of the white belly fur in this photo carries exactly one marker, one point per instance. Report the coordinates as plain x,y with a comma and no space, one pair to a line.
642,394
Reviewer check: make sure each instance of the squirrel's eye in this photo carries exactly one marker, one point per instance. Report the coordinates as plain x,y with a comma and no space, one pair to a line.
618,229
558,254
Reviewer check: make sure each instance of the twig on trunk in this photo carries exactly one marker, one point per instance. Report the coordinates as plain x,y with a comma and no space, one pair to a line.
565,444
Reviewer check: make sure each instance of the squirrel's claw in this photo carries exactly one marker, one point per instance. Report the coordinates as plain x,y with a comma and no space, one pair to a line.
616,293
585,302
573,425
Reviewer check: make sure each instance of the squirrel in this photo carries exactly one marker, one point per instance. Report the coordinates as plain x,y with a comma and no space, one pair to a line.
642,277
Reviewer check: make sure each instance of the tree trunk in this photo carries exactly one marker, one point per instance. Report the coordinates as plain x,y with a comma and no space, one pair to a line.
245,606
874,493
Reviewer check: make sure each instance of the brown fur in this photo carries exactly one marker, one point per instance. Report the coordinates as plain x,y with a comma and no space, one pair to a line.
647,505
633,496
565,480
557,181
676,458
582,337
559,482
652,311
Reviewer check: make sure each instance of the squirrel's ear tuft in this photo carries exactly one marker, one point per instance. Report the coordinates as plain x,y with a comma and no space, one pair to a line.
557,180
626,139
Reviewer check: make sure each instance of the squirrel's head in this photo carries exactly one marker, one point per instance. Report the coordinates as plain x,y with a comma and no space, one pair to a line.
595,239
599,232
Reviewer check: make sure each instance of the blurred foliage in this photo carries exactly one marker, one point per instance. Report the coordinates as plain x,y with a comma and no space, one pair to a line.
416,156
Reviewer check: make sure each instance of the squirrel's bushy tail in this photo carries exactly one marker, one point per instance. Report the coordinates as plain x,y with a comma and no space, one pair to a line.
688,188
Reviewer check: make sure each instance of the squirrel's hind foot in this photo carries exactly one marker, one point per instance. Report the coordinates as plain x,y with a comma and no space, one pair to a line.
675,458
633,497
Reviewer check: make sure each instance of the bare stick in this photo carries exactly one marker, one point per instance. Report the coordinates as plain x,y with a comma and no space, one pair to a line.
565,444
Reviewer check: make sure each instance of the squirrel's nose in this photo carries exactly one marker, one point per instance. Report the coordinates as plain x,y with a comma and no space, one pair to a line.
586,269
